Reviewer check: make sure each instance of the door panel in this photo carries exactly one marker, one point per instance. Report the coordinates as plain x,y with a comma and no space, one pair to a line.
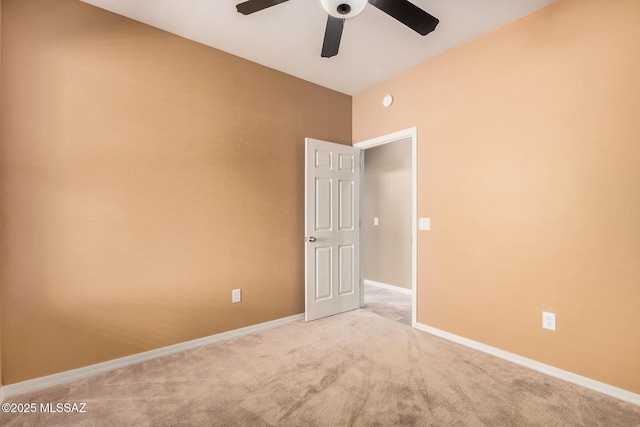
347,279
332,213
323,204
347,220
323,268
347,162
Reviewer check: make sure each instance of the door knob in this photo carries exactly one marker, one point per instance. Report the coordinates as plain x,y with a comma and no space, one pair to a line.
311,239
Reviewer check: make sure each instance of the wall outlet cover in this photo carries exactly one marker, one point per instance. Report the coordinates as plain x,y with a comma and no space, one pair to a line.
236,295
549,321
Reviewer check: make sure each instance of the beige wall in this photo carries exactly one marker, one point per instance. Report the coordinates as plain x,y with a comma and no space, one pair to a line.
144,177
387,184
529,167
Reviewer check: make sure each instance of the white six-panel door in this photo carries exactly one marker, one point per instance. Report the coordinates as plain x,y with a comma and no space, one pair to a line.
332,227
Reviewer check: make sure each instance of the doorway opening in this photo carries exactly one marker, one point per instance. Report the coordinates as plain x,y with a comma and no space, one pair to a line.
406,281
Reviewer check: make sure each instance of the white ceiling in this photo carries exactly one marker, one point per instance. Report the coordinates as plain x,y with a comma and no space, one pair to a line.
288,37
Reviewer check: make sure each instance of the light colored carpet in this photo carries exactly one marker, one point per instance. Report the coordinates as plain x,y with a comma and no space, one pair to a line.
357,368
388,303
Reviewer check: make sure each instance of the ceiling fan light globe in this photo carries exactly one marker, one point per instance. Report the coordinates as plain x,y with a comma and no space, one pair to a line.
343,8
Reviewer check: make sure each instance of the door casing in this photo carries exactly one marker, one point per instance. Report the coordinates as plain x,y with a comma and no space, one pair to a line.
412,134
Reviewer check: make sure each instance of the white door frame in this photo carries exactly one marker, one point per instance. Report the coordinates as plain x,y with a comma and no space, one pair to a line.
411,133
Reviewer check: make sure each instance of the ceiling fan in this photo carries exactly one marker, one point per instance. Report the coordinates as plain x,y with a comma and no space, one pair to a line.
338,10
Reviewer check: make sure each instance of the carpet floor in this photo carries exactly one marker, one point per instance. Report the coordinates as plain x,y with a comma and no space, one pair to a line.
388,303
354,369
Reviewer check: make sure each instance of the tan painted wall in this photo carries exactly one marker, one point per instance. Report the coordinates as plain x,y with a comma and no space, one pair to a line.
387,184
144,177
529,167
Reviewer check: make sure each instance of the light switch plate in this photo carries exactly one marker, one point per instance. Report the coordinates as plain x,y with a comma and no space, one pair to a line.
375,220
236,295
425,224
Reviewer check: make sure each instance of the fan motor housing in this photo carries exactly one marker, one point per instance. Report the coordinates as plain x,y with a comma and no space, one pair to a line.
343,8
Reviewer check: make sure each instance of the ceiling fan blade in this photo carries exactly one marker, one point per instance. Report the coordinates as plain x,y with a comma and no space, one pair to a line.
251,6
409,14
332,36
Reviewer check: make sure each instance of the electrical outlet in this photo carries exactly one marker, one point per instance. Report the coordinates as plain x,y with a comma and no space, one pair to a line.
236,295
549,321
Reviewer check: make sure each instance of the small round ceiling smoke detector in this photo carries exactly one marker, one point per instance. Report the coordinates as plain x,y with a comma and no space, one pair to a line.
387,100
343,8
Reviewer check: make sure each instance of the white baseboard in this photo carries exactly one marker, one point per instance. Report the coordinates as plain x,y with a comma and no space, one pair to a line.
603,388
390,287
87,371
